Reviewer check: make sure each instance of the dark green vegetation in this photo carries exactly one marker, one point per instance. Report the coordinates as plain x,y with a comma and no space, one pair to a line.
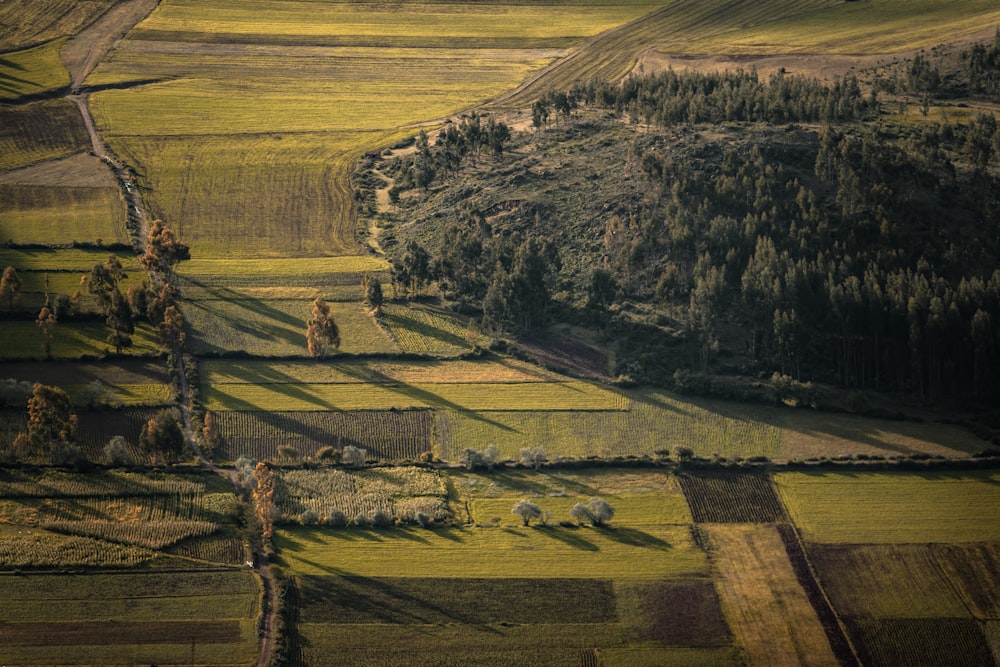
735,237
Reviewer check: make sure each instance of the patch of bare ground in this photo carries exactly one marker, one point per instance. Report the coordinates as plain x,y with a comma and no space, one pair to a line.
768,612
82,170
81,54
567,353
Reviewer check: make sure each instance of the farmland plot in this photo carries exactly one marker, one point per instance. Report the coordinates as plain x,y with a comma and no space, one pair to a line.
892,508
732,498
388,436
73,340
33,214
39,131
32,71
167,618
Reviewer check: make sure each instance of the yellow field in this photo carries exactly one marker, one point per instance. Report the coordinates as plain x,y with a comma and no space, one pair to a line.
32,71
61,215
22,340
282,266
27,22
39,131
767,610
893,508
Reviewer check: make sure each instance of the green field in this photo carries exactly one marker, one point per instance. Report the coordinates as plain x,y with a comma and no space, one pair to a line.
73,340
892,508
32,71
109,619
34,214
40,131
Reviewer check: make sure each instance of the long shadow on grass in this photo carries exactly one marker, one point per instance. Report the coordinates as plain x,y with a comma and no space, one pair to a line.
634,538
400,321
568,537
426,397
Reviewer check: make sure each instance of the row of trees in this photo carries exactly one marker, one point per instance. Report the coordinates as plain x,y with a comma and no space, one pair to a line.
597,512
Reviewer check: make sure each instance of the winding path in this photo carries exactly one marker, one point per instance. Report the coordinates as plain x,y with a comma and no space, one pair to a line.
80,56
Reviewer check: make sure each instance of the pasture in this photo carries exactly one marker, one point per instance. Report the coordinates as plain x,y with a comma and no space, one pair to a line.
32,71
73,340
46,215
39,131
28,22
166,618
892,508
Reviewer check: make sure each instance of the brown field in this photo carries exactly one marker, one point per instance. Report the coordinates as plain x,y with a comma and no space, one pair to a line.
77,171
39,131
891,642
732,498
769,613
118,632
387,435
27,22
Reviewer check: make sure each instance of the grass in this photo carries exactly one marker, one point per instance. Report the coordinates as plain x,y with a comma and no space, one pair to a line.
768,612
73,340
150,617
423,331
32,71
30,22
44,215
663,552
283,266
33,288
76,260
39,131
276,327
892,508
473,397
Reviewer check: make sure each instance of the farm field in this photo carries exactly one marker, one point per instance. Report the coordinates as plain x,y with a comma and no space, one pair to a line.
110,619
40,131
892,508
28,22
90,384
316,105
35,214
32,71
73,340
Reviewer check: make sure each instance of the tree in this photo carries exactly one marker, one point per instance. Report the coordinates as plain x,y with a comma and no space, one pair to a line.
210,433
328,455
116,451
322,332
46,321
263,499
163,251
102,282
601,511
533,456
10,286
484,458
51,421
119,320
372,287
354,456
287,452
581,514
162,437
527,510
171,328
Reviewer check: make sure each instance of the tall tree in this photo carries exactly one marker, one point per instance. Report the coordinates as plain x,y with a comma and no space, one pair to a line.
372,287
171,328
103,281
46,321
10,286
322,332
263,499
163,250
120,322
527,510
51,420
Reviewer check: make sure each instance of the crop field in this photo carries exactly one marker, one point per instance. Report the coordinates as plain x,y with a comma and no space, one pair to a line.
892,508
400,493
32,71
76,260
33,290
34,214
277,327
73,340
768,611
920,641
94,430
28,22
40,131
282,269
327,82
422,331
388,436
166,618
742,28
732,498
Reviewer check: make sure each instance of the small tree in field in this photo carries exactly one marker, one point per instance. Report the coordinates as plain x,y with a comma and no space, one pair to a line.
354,456
116,452
581,514
210,433
10,286
288,453
527,510
373,294
46,321
162,437
322,333
601,511
533,456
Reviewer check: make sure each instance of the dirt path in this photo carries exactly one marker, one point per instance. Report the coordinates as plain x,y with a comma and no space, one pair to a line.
82,54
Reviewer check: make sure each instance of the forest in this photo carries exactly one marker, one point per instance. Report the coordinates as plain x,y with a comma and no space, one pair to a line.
753,227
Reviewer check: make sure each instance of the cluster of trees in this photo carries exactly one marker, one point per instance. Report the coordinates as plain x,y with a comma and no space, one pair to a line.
973,72
510,277
670,98
597,512
455,145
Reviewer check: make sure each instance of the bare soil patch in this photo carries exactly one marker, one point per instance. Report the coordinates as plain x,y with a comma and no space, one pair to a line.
81,54
82,170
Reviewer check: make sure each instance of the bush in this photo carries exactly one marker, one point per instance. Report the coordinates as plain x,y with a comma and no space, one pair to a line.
336,518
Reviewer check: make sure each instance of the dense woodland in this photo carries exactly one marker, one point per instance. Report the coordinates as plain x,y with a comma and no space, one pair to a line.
747,227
